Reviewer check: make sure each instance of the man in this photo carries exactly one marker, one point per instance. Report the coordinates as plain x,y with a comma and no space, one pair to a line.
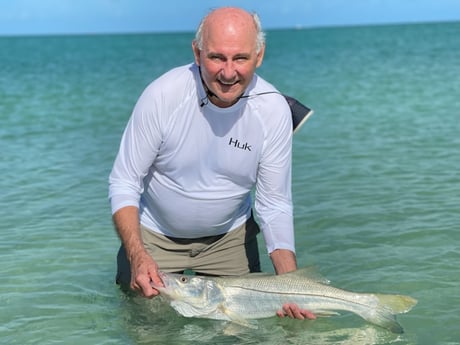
200,138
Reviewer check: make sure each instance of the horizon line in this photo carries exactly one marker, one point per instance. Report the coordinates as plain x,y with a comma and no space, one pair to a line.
294,27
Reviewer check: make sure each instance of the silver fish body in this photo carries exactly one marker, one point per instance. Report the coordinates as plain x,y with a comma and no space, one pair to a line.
256,296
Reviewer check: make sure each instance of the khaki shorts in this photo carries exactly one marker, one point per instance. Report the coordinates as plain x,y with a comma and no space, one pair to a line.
233,253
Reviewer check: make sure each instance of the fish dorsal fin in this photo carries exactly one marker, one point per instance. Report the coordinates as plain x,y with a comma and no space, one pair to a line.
309,272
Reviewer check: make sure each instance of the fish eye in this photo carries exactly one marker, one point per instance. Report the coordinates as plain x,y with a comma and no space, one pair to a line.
183,279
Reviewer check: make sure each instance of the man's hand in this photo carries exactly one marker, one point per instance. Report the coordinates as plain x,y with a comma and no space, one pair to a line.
293,311
144,271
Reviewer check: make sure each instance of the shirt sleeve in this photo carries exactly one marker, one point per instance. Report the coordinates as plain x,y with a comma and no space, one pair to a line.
138,148
273,199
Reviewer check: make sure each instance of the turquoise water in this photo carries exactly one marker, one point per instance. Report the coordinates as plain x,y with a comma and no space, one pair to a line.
375,180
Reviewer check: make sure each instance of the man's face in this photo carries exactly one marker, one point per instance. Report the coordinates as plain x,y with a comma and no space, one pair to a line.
228,61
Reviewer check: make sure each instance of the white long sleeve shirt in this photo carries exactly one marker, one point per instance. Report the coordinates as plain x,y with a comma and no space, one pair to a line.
190,166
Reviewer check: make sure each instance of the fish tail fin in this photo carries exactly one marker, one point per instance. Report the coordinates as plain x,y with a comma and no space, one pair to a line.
397,304
387,307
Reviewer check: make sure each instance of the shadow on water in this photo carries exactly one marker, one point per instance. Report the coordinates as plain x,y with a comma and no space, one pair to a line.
154,322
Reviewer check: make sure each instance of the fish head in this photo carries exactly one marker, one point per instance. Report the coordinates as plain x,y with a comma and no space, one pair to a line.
180,286
191,296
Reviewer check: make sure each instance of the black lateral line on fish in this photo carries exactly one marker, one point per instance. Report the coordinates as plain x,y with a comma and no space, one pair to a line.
309,294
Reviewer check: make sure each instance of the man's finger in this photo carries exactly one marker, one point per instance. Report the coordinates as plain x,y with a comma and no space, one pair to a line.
145,287
293,311
156,280
308,314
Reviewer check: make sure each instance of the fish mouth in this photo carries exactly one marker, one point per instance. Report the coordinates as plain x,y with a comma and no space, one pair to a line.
164,279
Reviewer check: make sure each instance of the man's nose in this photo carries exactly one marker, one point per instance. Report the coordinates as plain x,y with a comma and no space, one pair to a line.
228,72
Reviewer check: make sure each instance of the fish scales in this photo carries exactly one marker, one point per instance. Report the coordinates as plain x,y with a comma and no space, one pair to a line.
264,297
258,296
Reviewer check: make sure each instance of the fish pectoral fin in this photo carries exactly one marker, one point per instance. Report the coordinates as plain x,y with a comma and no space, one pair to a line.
233,317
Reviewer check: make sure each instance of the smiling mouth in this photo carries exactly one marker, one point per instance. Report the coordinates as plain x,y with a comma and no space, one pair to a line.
224,83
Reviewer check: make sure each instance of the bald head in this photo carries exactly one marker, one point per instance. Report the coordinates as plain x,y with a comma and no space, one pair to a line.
230,21
228,48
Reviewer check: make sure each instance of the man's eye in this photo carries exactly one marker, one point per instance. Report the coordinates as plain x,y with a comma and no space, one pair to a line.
217,58
241,59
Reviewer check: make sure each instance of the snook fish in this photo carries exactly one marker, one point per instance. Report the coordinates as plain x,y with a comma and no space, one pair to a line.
259,295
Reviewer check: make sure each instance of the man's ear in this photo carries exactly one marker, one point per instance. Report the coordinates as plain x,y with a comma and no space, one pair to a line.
260,56
196,52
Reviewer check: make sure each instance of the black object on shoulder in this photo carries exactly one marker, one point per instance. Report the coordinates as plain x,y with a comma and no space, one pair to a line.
300,113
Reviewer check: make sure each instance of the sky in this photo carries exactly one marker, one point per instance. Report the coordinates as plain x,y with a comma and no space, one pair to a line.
38,17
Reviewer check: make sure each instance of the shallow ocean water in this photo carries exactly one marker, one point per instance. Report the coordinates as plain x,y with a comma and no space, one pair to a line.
375,181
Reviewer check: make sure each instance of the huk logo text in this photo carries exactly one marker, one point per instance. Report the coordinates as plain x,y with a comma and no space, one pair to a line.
236,143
